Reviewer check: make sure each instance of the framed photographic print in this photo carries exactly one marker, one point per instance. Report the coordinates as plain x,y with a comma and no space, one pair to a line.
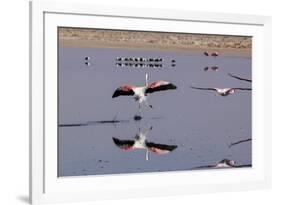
127,103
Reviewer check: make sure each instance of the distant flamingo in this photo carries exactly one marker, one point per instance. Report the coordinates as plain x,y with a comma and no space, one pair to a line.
140,142
206,53
140,92
215,68
215,54
222,91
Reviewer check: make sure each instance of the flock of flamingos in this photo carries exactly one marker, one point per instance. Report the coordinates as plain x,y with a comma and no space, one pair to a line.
140,93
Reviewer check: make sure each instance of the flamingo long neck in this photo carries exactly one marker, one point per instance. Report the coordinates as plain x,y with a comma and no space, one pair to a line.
146,79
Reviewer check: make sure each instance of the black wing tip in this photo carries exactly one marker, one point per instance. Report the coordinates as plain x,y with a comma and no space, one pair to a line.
118,92
242,88
193,87
115,140
173,147
115,95
172,86
243,166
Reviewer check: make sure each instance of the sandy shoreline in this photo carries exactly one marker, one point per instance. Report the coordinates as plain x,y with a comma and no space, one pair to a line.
96,38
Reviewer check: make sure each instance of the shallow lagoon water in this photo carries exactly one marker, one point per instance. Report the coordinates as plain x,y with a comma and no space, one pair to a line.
201,124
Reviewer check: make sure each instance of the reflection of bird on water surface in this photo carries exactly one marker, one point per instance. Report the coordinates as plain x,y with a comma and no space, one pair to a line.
87,58
140,142
224,163
140,92
213,68
214,54
222,91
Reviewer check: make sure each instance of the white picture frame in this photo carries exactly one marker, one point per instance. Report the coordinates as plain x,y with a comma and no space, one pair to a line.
46,187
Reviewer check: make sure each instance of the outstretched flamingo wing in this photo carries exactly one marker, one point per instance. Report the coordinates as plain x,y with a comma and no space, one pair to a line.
239,78
243,165
124,144
159,86
214,89
204,167
160,148
124,90
242,88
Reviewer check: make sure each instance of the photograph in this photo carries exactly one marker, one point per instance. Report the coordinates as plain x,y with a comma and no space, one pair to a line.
132,101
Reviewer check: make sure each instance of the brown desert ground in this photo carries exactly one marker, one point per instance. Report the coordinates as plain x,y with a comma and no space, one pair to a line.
85,37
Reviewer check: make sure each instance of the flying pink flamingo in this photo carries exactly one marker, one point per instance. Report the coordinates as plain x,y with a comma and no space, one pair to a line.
140,142
140,92
222,91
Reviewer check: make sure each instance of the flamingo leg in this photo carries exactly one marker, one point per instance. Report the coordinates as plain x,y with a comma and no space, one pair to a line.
215,61
138,116
147,131
146,155
139,109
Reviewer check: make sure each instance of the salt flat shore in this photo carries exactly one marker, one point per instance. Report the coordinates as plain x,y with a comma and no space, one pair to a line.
92,38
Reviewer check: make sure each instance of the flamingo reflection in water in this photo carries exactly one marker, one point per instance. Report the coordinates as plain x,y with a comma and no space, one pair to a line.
140,142
224,163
